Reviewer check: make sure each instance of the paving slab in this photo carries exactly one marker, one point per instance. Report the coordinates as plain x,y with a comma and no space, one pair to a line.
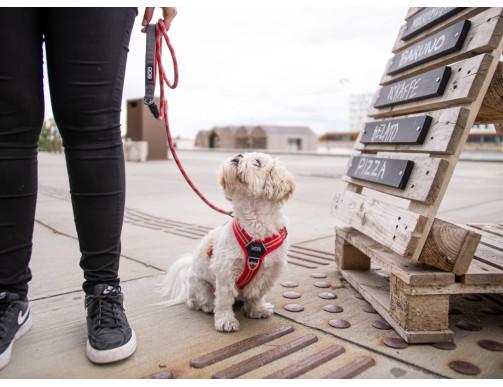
169,338
55,265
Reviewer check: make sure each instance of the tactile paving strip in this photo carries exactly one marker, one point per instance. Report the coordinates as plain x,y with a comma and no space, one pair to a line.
475,319
142,219
293,370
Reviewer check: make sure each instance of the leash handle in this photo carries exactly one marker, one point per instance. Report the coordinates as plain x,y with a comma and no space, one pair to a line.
160,31
150,70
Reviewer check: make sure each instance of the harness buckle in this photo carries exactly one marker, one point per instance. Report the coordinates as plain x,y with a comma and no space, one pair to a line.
253,263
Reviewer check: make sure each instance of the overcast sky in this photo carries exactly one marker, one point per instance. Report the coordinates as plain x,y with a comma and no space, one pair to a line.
287,65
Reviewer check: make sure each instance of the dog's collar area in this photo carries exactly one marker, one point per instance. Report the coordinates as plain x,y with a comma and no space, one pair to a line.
254,250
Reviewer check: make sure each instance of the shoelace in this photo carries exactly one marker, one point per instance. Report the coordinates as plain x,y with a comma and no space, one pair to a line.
105,311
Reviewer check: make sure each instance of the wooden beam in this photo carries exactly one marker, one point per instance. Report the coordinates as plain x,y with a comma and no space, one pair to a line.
449,247
492,106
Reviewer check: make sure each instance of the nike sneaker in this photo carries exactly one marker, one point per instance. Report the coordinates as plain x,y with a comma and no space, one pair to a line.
15,321
110,338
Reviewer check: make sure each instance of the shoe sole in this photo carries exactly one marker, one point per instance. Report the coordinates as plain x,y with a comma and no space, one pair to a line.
111,355
6,355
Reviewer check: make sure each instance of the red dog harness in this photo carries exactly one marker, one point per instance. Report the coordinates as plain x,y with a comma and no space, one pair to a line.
254,251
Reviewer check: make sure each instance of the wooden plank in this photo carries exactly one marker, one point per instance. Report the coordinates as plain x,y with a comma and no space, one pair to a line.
443,135
483,36
488,238
426,19
489,256
482,273
457,288
420,87
389,225
464,86
411,272
424,181
375,290
449,247
492,228
352,369
465,14
266,357
308,363
241,346
412,11
436,46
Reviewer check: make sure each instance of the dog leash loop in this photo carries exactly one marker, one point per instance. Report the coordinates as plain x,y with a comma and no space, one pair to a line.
153,65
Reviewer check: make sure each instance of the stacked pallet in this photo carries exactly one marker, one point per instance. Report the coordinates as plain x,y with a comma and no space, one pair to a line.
434,89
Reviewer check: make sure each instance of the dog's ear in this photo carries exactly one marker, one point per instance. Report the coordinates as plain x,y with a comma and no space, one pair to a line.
280,183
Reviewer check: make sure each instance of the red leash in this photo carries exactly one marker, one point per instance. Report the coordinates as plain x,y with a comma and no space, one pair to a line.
160,30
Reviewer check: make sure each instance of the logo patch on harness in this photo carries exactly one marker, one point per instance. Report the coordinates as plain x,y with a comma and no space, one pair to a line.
255,251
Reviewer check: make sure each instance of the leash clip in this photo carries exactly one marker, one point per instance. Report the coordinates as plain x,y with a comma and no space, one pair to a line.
152,106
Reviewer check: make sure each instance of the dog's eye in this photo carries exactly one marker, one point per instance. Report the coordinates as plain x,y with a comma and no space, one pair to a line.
257,163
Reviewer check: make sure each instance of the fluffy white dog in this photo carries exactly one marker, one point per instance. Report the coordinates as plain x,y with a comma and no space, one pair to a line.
218,273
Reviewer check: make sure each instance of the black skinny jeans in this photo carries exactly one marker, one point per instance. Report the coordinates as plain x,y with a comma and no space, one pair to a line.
86,50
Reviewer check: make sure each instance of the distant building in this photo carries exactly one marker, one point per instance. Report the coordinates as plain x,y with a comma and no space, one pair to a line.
359,105
265,137
484,137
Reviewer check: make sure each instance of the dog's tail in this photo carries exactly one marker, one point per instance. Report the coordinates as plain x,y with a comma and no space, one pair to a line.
175,286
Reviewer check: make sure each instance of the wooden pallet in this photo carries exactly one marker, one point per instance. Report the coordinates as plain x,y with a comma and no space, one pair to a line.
439,83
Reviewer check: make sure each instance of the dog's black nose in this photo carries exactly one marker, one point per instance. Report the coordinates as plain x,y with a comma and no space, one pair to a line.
236,159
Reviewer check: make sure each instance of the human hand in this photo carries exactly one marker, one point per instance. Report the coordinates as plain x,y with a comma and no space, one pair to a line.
168,13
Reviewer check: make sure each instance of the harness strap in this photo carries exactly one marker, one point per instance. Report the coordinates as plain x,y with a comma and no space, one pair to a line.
255,251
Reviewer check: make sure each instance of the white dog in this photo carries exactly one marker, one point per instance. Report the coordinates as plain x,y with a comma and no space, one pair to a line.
219,273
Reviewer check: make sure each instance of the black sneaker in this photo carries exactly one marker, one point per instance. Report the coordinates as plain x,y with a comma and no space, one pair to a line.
109,336
15,321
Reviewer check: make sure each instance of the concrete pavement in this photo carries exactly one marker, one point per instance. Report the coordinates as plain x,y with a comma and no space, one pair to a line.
165,219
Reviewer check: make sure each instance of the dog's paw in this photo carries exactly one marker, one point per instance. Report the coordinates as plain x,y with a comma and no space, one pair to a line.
262,311
227,324
208,308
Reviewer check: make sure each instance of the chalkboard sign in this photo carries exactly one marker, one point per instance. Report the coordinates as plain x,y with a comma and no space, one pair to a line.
390,172
442,43
427,18
409,130
427,85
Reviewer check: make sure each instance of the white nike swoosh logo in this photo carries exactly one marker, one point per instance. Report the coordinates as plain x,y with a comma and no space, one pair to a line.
22,317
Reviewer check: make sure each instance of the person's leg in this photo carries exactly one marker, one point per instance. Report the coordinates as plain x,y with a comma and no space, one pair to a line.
86,60
21,117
